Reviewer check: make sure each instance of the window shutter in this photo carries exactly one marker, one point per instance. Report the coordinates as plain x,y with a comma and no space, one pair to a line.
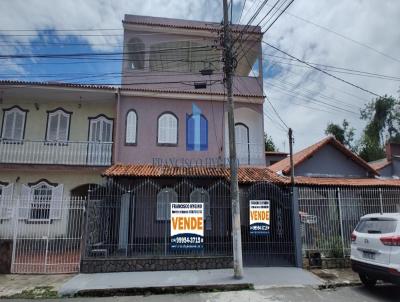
25,202
56,202
8,125
52,128
63,128
18,125
131,123
6,202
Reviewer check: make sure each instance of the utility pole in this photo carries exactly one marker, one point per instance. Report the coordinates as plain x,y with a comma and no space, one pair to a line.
236,228
291,157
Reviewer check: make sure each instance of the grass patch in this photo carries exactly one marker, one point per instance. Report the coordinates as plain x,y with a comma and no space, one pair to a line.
39,292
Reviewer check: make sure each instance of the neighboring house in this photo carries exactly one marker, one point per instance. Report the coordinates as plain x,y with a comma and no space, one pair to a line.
272,157
389,166
326,158
55,140
172,109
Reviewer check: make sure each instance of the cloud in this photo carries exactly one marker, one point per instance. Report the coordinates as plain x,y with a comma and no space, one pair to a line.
302,91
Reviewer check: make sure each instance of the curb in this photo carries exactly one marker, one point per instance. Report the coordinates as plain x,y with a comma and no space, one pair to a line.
135,291
333,285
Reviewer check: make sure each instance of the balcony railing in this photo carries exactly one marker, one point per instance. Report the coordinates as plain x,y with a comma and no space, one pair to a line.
55,153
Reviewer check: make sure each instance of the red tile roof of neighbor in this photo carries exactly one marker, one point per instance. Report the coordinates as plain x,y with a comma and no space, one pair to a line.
380,164
303,155
246,175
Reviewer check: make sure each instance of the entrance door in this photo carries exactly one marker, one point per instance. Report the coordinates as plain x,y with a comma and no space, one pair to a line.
278,247
100,141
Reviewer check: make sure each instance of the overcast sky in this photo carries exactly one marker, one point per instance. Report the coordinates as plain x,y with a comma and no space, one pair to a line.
363,35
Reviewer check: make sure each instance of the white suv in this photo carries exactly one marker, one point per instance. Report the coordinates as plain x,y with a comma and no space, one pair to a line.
375,248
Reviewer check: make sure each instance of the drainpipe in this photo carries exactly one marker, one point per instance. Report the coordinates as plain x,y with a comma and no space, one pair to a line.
117,126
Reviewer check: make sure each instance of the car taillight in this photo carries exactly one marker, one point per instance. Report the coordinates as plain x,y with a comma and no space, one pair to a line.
391,240
353,237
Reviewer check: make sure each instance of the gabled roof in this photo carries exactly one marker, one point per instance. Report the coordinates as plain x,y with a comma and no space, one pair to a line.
380,164
303,155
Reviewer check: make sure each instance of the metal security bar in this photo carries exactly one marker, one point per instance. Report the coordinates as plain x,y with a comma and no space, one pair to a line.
41,244
133,220
329,215
61,153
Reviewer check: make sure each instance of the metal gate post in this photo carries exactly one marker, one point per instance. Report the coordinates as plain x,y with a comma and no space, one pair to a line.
380,200
296,227
340,219
14,242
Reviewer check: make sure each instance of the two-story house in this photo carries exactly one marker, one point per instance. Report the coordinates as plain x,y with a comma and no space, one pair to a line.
55,140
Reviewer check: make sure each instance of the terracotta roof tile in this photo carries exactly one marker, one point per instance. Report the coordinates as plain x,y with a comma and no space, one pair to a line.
352,182
245,174
380,164
56,84
301,156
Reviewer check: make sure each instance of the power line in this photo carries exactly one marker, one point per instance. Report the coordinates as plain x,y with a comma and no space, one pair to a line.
321,70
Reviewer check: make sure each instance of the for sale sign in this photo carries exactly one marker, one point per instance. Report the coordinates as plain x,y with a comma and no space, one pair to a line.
187,225
259,217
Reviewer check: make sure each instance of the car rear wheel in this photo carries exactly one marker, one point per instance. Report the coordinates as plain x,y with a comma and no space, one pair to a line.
367,281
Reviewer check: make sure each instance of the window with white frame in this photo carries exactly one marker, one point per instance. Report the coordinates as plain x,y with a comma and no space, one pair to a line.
242,143
41,201
167,129
131,127
14,123
164,199
6,192
58,122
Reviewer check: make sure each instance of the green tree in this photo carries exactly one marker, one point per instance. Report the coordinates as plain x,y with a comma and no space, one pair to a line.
383,125
269,143
343,133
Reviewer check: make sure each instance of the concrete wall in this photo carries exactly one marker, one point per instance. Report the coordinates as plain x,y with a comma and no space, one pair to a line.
273,158
386,171
396,166
330,162
250,115
148,111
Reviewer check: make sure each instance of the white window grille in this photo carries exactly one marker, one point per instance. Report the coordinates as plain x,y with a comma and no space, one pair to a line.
41,202
58,125
167,129
242,143
14,124
164,199
131,126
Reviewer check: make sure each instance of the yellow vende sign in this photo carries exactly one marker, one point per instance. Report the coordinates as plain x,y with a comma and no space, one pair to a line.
259,217
187,225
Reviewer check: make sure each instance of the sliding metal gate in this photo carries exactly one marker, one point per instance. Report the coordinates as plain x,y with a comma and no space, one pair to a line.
277,248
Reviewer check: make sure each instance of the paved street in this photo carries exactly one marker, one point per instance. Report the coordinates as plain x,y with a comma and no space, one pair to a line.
306,294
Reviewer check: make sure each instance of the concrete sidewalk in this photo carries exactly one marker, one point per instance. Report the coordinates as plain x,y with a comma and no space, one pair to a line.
260,278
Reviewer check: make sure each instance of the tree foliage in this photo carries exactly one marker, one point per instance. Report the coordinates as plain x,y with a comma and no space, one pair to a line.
383,125
343,133
269,143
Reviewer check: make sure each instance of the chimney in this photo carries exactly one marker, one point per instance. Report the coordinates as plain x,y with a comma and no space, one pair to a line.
392,149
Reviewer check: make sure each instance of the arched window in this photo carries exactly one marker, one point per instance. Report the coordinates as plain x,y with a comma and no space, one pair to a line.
196,132
14,123
131,127
136,54
242,143
58,122
167,129
201,195
164,199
